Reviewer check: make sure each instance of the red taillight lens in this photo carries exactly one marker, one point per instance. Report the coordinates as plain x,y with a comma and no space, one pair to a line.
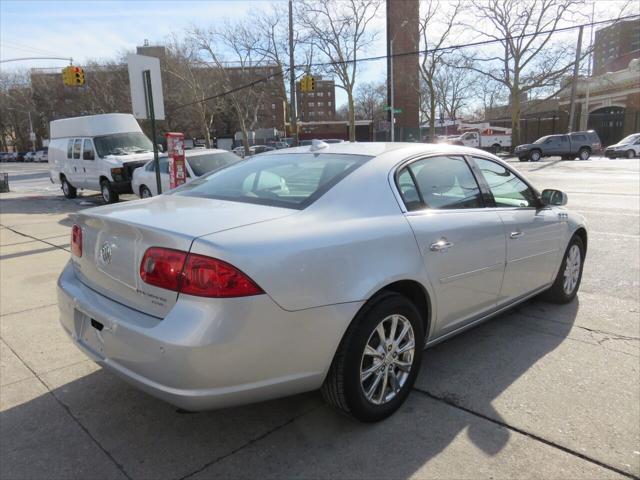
162,267
209,277
194,274
76,240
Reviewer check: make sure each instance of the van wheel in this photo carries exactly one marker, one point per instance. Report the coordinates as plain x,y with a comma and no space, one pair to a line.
108,195
145,192
377,361
495,149
68,189
584,154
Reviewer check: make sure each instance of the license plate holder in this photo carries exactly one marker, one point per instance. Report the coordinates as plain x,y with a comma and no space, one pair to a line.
91,335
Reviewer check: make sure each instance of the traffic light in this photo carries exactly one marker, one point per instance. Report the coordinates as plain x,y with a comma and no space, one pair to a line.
73,76
307,83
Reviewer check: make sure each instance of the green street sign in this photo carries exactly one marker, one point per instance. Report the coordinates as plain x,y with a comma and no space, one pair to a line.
387,108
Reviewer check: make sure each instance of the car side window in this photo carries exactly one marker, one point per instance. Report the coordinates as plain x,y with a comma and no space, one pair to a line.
70,149
77,148
443,182
87,151
564,139
507,189
408,190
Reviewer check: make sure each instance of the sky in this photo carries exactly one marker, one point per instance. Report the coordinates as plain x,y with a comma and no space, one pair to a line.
93,29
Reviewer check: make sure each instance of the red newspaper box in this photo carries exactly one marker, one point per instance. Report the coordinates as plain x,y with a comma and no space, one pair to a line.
177,167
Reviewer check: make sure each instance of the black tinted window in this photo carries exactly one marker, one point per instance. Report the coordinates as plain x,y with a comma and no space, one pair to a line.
443,183
87,150
203,164
580,138
285,180
77,148
70,149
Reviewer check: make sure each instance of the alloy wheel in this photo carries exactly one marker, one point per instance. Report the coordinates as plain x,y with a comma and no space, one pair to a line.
572,269
387,359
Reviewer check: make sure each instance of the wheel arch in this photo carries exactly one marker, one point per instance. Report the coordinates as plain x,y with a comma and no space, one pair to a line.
582,233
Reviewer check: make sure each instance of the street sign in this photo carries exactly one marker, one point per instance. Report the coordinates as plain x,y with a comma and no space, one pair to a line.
137,65
387,108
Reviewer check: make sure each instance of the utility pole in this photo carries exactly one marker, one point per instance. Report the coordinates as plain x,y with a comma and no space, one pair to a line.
293,123
584,117
32,136
574,83
393,107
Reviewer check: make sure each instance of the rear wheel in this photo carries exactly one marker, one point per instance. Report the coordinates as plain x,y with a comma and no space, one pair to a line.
584,154
630,154
567,282
108,195
534,156
68,190
495,149
145,192
377,361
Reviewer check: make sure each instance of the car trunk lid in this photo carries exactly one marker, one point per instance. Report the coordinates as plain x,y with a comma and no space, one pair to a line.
115,238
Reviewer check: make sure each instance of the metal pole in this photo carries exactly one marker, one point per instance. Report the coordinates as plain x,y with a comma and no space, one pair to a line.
292,81
584,117
393,113
146,75
31,134
574,83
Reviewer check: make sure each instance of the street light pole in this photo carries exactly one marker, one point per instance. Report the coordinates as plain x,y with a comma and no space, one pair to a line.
32,136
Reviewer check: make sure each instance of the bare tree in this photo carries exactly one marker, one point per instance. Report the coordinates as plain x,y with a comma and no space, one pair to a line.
433,19
455,87
526,59
340,30
369,100
241,62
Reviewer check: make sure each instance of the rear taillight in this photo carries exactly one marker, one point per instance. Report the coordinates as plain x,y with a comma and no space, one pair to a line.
76,240
194,274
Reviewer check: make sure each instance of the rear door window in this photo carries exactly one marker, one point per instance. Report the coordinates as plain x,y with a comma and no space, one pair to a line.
443,182
70,148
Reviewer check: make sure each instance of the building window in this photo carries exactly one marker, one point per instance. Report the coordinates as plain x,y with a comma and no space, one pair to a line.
321,104
273,106
328,104
312,114
311,104
320,94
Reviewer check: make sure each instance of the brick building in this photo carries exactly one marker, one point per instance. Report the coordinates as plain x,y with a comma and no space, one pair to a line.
402,29
319,105
615,46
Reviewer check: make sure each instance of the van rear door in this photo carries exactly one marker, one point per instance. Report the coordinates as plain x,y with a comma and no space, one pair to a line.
91,178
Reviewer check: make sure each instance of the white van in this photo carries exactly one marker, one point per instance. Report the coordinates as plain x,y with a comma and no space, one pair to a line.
97,152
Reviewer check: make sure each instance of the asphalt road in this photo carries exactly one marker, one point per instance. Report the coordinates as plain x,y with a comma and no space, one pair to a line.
543,391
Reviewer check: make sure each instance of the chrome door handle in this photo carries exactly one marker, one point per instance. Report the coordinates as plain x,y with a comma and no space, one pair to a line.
441,245
516,235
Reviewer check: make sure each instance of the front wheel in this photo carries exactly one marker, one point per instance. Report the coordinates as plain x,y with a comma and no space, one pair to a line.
108,195
145,192
68,190
534,156
377,361
584,154
567,282
630,154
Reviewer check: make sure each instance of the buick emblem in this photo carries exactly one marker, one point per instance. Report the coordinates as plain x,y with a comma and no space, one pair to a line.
105,253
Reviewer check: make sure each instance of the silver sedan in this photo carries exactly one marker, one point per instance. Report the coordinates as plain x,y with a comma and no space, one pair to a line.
326,266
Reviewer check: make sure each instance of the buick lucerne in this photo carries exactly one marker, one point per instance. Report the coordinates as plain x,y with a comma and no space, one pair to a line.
329,266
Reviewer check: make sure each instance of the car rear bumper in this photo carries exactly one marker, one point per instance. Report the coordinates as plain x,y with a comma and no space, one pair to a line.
206,353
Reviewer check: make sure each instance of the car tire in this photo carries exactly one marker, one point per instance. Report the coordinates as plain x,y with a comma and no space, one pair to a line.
567,282
106,190
630,154
535,156
523,159
68,190
145,192
343,388
584,154
495,148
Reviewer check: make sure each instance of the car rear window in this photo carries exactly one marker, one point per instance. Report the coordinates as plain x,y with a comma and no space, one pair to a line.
203,164
282,180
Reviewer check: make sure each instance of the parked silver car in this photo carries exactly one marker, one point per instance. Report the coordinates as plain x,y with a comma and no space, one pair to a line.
329,266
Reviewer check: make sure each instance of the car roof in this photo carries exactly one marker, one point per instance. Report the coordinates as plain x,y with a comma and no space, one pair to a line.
375,149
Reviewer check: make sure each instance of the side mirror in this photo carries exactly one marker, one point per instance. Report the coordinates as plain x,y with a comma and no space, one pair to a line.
554,197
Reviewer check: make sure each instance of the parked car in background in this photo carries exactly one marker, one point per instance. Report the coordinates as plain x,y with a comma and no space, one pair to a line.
42,155
199,162
330,266
278,145
628,147
20,157
30,157
333,140
568,147
253,150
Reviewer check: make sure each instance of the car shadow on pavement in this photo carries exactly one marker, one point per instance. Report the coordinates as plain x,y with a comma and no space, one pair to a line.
92,414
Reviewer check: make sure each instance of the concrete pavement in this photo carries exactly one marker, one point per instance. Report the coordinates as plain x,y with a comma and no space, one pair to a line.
541,391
